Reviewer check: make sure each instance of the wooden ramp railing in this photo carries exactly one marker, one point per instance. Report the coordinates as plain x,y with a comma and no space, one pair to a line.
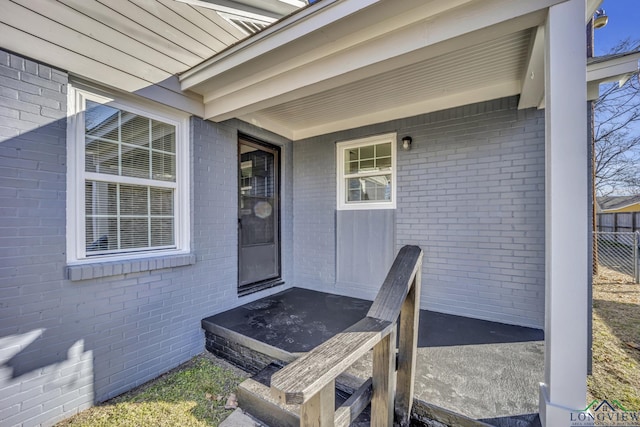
310,380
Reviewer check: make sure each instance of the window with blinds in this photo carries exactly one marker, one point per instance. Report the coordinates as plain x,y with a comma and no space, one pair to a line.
128,192
130,175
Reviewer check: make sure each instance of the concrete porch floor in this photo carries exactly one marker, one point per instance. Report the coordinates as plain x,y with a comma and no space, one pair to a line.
484,370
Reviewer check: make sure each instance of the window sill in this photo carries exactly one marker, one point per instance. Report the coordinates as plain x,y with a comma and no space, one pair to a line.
99,269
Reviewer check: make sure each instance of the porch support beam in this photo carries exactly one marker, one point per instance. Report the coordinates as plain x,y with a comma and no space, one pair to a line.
533,79
566,145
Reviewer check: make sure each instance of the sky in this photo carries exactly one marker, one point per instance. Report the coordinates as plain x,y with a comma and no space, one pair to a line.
624,21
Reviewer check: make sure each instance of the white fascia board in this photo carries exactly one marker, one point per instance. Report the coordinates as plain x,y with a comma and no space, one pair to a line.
401,111
533,79
302,23
613,69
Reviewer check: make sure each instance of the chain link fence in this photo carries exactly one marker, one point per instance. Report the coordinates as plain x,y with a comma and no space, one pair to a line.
618,251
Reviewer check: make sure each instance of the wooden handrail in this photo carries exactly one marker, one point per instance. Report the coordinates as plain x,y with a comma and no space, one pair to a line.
310,380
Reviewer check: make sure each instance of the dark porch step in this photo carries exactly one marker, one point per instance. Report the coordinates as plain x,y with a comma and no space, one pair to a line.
254,397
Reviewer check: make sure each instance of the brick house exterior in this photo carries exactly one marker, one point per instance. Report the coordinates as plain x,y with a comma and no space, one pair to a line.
485,190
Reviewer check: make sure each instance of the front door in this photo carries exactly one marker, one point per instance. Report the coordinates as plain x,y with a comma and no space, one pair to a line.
258,216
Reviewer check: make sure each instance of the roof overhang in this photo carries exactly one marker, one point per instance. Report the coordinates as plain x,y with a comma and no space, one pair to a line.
341,64
616,69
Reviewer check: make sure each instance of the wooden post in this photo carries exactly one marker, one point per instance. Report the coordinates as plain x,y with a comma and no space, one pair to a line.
407,353
383,378
319,411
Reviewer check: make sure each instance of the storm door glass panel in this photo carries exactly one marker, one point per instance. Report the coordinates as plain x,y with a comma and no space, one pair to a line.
259,251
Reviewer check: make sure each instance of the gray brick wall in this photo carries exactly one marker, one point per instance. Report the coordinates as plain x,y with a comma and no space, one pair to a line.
65,345
470,193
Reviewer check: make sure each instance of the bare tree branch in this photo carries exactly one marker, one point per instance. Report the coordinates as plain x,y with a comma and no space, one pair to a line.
617,133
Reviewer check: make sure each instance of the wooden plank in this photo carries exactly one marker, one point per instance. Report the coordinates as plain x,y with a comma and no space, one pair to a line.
171,18
42,27
384,364
49,53
219,30
354,405
395,287
319,410
158,26
303,378
134,29
408,331
102,33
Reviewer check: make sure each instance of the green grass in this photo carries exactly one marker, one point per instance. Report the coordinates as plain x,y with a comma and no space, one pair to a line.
192,395
616,340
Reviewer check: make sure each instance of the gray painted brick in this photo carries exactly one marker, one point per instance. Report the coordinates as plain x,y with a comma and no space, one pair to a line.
465,195
107,312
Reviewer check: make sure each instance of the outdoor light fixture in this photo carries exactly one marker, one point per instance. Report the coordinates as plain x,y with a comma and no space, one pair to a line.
406,143
600,18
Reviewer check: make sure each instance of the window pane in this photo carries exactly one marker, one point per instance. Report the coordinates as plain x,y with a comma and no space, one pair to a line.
383,163
351,167
366,152
161,202
134,233
372,188
101,157
164,166
135,129
367,158
101,121
366,165
351,154
383,150
133,200
135,162
100,198
162,232
101,234
164,137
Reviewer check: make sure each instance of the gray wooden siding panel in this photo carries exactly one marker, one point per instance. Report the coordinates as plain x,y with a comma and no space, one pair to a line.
365,241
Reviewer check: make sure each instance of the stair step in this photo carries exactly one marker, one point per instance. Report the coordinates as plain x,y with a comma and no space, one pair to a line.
254,397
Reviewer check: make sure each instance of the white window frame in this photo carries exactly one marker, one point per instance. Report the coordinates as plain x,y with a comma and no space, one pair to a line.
341,147
76,175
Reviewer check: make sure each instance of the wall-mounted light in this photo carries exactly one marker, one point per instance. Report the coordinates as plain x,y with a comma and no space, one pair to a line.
600,18
406,143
